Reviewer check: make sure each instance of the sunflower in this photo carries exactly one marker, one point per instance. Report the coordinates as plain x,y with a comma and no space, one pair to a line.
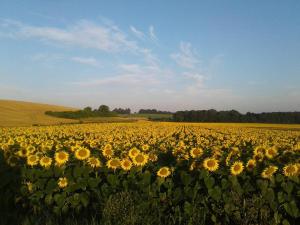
126,164
61,157
29,186
290,170
94,162
32,160
82,153
140,159
145,147
62,182
133,152
108,151
196,152
113,163
164,172
211,164
45,161
259,157
259,149
271,152
237,168
269,171
153,157
193,166
23,152
251,164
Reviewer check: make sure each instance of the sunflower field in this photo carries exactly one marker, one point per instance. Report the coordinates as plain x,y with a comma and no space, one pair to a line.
150,173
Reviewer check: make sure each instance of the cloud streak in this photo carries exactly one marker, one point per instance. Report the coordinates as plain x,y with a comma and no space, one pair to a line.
84,34
137,33
86,61
186,57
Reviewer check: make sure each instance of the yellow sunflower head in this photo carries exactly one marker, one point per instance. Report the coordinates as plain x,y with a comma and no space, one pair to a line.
82,153
196,152
145,147
108,151
45,161
133,152
153,157
269,171
251,164
140,159
113,163
271,152
211,164
94,162
259,149
259,157
126,164
290,170
61,157
236,168
32,160
23,152
164,172
62,182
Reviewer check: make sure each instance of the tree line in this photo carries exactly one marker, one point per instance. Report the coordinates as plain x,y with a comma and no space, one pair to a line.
153,111
235,116
102,111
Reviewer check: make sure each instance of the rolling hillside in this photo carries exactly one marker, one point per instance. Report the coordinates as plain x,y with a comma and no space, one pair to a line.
19,113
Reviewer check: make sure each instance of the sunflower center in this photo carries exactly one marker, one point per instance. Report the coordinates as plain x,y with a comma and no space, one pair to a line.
290,169
164,171
114,163
139,158
61,156
237,167
211,163
82,153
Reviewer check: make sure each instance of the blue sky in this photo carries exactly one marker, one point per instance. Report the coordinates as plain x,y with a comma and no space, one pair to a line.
170,55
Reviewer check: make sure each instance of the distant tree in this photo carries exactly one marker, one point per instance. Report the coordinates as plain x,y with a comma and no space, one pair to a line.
103,109
234,116
87,109
122,111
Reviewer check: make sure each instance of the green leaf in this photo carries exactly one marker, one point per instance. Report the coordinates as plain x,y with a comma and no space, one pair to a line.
51,186
112,180
291,208
185,178
209,182
285,222
279,178
59,199
269,195
288,187
84,199
215,193
49,199
93,182
187,208
224,183
281,197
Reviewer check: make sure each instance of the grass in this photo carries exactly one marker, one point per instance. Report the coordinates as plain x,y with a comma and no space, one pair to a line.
19,113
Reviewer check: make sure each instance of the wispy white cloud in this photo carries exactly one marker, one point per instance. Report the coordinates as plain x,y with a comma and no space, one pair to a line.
84,33
46,57
152,33
87,61
127,75
186,57
137,33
